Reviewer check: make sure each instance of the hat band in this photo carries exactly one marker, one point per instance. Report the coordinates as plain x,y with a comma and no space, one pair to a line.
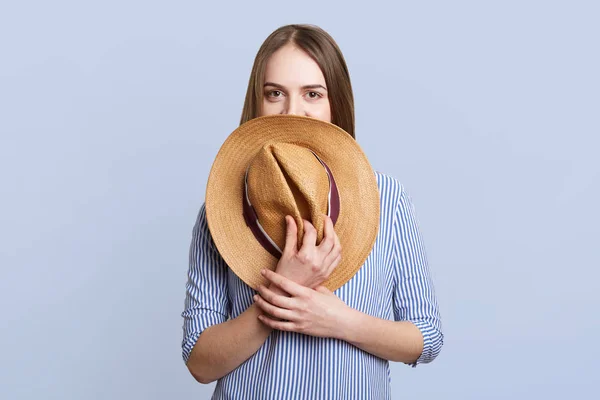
251,218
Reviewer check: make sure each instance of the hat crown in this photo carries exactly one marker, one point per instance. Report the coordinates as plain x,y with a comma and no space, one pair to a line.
287,179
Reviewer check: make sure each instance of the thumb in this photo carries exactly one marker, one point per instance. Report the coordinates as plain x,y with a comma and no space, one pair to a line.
291,238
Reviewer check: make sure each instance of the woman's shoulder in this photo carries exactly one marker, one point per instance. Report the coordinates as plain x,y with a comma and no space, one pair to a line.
201,234
390,187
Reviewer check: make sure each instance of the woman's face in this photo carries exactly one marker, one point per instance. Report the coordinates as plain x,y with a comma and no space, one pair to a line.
294,84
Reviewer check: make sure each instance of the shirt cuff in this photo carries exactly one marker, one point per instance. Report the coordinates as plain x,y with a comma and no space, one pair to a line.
195,325
433,340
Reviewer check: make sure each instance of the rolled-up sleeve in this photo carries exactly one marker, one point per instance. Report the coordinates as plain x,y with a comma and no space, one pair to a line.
206,301
414,294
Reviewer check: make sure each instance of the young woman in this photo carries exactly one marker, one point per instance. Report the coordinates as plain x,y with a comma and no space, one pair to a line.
295,338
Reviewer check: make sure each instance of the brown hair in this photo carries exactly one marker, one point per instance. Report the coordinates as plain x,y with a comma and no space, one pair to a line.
322,48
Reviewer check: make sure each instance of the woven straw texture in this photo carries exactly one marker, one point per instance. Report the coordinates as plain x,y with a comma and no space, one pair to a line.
285,178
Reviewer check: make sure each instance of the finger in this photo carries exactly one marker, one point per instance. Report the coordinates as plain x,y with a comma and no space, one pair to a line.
336,251
284,283
276,299
337,242
310,235
328,237
272,310
291,238
279,325
334,264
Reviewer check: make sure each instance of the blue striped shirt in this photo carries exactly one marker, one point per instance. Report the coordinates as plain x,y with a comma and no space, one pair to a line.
394,283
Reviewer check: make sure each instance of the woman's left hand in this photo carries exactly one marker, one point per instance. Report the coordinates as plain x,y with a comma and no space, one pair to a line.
315,312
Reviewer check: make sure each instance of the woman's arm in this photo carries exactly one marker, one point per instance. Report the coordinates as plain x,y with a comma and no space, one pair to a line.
414,337
398,341
223,347
213,347
321,313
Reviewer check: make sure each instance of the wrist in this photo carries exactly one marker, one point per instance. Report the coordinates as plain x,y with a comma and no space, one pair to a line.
347,324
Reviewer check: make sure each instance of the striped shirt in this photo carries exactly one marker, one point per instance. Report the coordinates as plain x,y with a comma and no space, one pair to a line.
394,283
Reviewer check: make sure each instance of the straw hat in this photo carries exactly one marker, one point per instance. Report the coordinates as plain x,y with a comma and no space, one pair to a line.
279,165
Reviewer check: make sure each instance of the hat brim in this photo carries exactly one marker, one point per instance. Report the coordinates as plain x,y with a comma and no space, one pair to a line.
358,222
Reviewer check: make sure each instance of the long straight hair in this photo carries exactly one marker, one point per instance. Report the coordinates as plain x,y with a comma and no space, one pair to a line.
319,45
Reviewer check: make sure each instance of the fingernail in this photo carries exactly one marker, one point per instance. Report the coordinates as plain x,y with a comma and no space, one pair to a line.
255,297
263,271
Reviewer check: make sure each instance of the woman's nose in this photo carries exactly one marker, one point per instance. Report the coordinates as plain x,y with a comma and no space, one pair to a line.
294,107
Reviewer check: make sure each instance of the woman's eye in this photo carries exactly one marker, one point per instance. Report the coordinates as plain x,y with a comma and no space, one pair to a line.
314,95
275,93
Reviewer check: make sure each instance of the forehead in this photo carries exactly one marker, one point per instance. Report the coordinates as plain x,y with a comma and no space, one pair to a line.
291,66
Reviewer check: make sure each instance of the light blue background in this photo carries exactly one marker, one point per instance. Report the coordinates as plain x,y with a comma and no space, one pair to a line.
111,114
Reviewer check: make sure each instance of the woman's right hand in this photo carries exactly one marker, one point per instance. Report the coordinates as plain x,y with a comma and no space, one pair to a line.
310,265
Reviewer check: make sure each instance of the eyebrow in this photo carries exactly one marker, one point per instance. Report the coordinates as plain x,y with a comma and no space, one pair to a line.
315,86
